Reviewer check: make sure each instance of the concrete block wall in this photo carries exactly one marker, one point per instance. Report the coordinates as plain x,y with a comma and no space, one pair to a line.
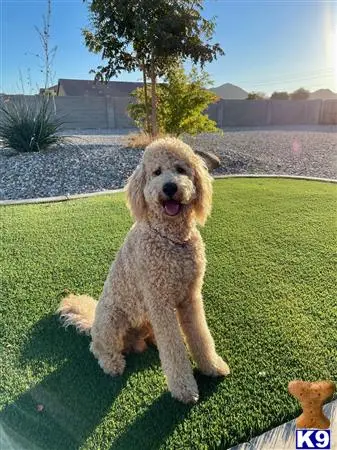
289,112
82,112
329,112
85,112
117,112
250,113
111,113
239,113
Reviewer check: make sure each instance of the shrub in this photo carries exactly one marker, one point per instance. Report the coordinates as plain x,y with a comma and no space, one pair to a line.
181,102
283,95
29,127
300,94
256,96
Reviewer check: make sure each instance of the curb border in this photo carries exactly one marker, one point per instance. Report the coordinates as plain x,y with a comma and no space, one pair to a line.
63,198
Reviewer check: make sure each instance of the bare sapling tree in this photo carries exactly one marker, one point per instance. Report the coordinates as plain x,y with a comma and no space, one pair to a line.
48,52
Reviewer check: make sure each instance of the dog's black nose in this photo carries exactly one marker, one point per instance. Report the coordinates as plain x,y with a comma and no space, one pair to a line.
170,189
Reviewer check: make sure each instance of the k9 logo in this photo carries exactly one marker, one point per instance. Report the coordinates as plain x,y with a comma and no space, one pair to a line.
316,439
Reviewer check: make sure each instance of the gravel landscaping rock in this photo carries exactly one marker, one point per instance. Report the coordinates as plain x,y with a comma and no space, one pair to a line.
304,153
94,160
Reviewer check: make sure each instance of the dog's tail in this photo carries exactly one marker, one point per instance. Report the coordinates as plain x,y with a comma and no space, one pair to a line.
79,311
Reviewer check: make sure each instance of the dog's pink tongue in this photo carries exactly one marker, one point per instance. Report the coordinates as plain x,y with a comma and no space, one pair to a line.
172,207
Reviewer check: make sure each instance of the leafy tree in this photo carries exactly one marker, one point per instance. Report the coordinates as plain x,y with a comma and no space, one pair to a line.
282,95
181,102
300,94
149,35
256,96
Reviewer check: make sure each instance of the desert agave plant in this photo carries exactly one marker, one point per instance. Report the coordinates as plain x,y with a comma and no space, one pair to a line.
29,126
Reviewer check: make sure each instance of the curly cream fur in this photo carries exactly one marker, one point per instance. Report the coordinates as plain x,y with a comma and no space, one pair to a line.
155,282
78,311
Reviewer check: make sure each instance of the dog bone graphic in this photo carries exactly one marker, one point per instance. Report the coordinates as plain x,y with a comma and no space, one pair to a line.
311,397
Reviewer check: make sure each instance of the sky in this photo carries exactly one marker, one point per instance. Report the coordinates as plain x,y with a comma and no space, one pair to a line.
269,45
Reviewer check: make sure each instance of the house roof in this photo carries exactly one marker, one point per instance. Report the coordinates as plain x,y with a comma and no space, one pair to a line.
81,88
51,88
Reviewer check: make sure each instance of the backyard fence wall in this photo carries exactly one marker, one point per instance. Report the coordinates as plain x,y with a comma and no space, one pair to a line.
329,113
252,113
111,112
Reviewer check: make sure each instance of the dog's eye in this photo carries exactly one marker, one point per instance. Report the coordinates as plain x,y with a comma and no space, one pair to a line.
157,172
181,170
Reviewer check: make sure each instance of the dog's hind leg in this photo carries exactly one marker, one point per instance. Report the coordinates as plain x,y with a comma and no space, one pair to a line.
137,339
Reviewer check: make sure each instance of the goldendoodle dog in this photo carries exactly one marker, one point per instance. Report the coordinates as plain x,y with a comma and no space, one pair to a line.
153,290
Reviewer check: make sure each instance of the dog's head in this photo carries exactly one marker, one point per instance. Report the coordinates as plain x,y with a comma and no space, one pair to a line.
171,182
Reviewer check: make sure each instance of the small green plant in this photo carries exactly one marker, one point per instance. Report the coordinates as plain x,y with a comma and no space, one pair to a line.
181,102
29,126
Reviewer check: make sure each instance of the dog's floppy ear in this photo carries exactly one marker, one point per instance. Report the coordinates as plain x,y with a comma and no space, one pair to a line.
203,184
211,159
135,193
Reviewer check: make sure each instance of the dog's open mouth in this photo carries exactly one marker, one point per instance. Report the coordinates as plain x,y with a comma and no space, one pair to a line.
172,207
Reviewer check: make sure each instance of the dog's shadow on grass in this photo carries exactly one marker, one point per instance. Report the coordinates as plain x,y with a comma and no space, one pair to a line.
64,409
67,405
152,428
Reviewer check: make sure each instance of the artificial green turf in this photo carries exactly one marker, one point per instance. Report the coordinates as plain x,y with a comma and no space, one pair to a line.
269,299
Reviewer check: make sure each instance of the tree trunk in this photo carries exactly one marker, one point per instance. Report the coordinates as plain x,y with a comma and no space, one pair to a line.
153,99
146,98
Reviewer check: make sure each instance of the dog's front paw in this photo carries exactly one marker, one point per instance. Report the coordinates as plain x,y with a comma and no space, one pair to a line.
216,368
186,392
112,365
